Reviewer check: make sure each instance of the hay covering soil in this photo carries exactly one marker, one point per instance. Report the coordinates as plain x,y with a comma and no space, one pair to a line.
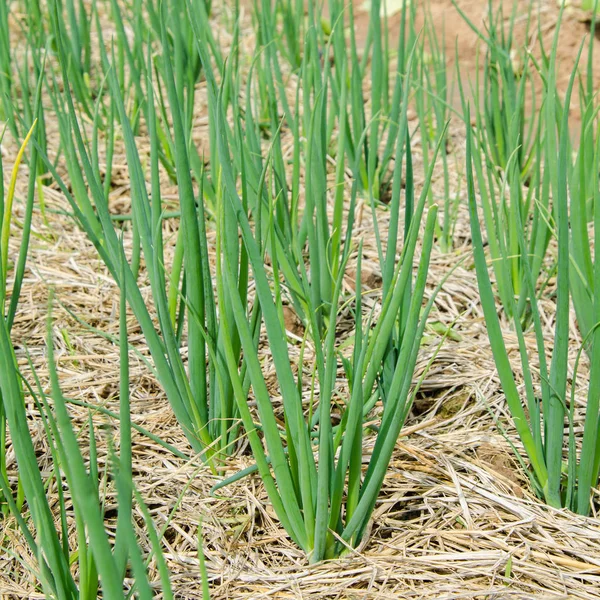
455,519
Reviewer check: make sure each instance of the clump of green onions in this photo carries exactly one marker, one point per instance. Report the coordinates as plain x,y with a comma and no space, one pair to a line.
560,474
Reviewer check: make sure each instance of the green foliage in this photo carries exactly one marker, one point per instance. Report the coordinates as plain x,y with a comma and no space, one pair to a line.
560,475
298,136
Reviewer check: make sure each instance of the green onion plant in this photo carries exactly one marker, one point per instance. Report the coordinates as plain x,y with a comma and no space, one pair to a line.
508,157
582,209
310,466
78,488
433,101
563,468
9,298
201,400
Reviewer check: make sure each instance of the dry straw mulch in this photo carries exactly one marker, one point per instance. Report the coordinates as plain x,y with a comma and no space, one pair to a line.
455,519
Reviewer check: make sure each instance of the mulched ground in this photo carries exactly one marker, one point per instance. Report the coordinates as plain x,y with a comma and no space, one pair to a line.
456,516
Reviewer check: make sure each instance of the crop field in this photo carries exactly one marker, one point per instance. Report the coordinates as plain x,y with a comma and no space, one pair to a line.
297,299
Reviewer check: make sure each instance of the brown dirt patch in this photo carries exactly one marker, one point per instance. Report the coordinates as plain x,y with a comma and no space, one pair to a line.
461,40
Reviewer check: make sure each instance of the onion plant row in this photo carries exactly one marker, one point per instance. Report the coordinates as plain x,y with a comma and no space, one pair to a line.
75,477
306,245
563,468
257,215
